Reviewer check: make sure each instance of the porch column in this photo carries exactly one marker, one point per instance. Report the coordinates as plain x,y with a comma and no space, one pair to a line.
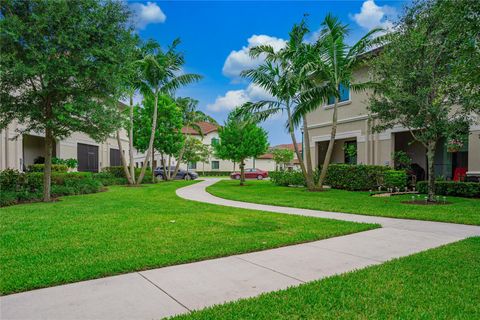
474,152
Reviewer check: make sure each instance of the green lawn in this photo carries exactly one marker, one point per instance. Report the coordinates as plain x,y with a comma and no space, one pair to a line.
127,229
441,283
462,210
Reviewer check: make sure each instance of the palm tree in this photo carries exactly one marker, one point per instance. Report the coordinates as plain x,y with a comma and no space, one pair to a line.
281,76
159,76
329,63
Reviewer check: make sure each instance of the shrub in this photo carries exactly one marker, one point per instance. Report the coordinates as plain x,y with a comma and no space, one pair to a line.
108,179
23,187
7,198
287,178
340,176
355,177
118,172
40,168
70,163
452,188
10,180
395,179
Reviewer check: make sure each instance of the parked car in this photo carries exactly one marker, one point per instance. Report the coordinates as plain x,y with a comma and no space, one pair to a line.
181,174
251,174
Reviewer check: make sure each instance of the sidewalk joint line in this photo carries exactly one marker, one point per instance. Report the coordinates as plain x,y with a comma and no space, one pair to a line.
346,253
259,265
168,294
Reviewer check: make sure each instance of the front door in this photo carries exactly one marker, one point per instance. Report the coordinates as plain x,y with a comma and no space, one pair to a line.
87,156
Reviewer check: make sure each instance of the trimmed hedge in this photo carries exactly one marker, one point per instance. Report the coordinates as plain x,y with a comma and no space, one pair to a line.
55,168
347,177
213,173
395,179
452,188
287,178
24,187
108,179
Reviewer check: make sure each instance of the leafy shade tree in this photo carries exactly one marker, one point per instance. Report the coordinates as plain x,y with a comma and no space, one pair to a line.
282,76
241,138
329,64
168,138
191,117
282,157
195,151
159,75
61,65
416,74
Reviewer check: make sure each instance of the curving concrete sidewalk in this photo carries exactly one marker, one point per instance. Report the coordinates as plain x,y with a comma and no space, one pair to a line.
178,289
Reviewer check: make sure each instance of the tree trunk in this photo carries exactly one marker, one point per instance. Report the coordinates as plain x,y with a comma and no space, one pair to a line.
180,157
169,173
164,167
242,173
331,143
130,142
295,146
124,161
152,137
308,158
152,166
47,169
431,147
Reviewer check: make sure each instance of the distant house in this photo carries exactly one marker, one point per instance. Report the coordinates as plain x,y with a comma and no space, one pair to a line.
209,138
266,161
18,151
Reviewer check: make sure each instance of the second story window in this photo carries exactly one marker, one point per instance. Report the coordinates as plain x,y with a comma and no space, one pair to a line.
344,95
215,141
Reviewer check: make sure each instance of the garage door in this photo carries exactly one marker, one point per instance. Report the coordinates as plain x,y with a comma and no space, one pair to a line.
115,158
87,156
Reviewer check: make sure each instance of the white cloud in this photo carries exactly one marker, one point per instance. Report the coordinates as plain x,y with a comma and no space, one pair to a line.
240,60
371,16
145,14
235,98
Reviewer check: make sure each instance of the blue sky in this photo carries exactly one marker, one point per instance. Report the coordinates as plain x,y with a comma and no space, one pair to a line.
216,36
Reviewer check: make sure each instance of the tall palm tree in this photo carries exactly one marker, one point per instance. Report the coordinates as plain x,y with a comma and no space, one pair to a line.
159,76
330,63
130,86
282,77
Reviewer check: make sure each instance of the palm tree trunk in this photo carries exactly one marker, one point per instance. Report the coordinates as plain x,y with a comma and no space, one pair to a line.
152,166
331,143
152,137
308,157
295,146
124,161
130,142
431,147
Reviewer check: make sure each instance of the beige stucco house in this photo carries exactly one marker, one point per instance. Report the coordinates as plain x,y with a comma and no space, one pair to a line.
354,128
18,151
210,137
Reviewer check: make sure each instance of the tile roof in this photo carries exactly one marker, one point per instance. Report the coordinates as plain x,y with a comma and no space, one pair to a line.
288,146
205,127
